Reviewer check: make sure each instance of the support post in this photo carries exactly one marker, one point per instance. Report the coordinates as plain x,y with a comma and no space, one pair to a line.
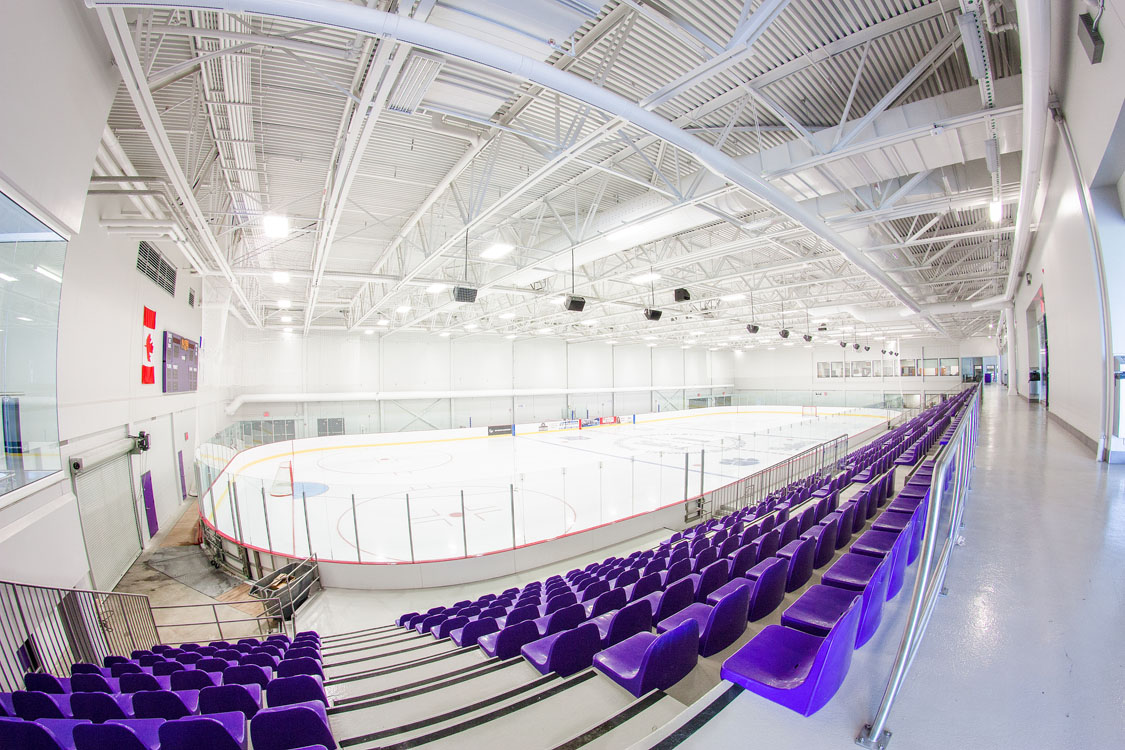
464,530
355,525
308,532
512,498
266,518
409,527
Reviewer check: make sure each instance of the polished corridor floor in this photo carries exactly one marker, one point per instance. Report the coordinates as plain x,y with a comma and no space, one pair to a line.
1026,650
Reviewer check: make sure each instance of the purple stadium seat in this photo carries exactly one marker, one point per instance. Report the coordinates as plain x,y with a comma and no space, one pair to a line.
790,530
606,602
565,652
303,665
824,535
46,683
147,660
165,704
626,578
742,560
647,662
555,603
565,618
25,735
6,707
439,631
31,705
285,691
845,520
720,625
799,555
709,579
422,625
594,590
134,683
807,519
219,644
671,600
507,642
100,707
797,670
768,578
94,683
401,621
223,731
193,679
614,627
518,614
165,668
768,544
643,587
821,607
246,699
246,674
676,571
704,558
468,635
879,544
214,664
654,566
112,736
729,545
291,727
87,668
188,657
119,668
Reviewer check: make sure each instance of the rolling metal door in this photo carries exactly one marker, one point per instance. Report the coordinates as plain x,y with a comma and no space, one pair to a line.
109,520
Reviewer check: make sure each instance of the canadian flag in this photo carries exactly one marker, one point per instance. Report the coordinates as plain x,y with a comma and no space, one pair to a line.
148,370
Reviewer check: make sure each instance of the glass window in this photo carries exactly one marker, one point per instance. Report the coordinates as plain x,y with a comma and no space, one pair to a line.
909,368
865,366
929,367
857,369
889,370
950,366
837,369
31,267
823,370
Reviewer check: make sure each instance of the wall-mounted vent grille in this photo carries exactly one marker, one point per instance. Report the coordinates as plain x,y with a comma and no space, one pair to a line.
191,298
153,265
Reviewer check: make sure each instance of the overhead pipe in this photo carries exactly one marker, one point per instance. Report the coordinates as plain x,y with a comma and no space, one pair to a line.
391,26
1035,57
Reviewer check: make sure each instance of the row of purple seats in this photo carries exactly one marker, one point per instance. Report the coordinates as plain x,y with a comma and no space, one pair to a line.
802,662
303,725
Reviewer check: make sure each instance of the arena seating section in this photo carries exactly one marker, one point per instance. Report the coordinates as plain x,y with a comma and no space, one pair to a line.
642,621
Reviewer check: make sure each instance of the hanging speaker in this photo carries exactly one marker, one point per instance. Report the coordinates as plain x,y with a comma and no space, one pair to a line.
653,314
464,294
682,295
575,304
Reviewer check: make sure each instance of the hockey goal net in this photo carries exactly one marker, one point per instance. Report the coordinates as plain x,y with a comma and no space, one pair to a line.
808,411
283,480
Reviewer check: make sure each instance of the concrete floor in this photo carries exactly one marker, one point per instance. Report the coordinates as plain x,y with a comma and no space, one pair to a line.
1025,651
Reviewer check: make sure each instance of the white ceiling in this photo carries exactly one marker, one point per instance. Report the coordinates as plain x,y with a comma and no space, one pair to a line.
862,112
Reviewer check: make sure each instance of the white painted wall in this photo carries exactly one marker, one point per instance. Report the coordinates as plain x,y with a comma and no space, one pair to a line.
57,85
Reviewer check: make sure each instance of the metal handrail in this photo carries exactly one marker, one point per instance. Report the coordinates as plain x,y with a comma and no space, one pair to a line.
959,453
269,619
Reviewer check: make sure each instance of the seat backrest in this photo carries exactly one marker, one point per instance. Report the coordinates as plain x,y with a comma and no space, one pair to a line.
769,543
132,683
163,668
555,603
728,618
699,545
107,737
192,679
678,570
655,566
300,665
17,733
84,668
97,707
631,619
790,530
285,691
629,576
195,732
609,601
213,700
742,560
245,674
288,727
475,629
41,682
159,704
826,543
188,657
512,638
90,683
574,649
646,585
769,577
671,656
567,618
214,664
705,558
594,590
834,656
519,614
31,705
128,667
729,545
711,578
675,597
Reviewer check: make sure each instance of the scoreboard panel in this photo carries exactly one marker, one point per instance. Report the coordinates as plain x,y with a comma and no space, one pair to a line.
181,364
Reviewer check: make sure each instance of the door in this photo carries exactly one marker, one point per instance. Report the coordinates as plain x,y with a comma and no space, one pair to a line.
109,520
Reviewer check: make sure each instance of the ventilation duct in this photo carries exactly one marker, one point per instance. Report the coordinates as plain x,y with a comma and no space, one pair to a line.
418,74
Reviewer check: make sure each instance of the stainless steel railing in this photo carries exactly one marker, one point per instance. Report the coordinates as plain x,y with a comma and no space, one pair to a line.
957,456
46,629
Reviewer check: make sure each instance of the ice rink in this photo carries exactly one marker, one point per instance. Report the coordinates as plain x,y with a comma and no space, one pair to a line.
446,494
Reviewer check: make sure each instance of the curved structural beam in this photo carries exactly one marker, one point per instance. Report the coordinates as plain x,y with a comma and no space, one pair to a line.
378,23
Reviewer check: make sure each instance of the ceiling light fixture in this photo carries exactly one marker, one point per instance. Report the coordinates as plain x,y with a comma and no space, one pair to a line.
444,334
645,278
23,318
6,277
383,322
510,336
507,316
284,304
280,277
545,331
286,318
471,326
995,211
436,288
275,226
368,331
732,297
497,250
287,329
